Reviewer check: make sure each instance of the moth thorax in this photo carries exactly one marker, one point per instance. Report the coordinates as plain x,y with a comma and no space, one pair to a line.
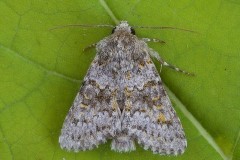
122,144
122,27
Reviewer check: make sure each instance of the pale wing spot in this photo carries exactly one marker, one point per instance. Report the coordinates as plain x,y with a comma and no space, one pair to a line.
159,107
83,106
128,75
85,96
156,98
127,92
114,104
161,118
128,105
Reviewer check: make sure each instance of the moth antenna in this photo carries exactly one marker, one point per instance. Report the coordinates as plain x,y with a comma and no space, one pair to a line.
83,26
164,27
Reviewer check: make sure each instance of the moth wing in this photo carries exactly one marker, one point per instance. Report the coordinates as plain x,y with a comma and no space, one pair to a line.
93,116
149,116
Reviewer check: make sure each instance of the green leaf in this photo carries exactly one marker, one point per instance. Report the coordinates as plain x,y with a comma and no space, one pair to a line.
41,72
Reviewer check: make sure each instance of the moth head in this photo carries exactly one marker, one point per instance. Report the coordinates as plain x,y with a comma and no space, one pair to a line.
123,26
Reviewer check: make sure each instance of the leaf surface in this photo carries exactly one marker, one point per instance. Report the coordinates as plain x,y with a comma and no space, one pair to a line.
41,72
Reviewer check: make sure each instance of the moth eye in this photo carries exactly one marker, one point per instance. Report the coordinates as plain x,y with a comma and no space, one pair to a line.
132,31
113,30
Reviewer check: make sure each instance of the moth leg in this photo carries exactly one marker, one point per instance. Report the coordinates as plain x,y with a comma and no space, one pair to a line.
153,40
164,63
89,46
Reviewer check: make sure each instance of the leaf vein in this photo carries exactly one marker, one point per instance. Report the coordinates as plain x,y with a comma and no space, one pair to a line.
48,71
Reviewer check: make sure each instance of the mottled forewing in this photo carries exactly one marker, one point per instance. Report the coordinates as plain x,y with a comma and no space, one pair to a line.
149,116
94,115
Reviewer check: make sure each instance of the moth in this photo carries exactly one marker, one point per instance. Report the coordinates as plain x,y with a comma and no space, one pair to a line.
123,99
